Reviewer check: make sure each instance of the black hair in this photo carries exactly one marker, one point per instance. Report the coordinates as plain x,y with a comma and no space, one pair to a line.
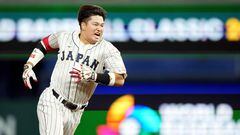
87,11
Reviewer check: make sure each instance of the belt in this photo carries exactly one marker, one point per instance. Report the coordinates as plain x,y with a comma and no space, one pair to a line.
68,104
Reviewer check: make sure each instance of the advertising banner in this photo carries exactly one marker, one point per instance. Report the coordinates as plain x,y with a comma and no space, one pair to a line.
132,30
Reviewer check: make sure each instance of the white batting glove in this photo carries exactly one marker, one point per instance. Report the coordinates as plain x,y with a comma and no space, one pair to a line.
85,73
27,74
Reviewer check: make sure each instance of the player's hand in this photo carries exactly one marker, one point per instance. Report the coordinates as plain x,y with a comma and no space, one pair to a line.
83,73
27,74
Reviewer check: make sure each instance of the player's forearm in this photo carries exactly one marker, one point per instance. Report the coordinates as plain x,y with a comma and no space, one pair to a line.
36,56
119,80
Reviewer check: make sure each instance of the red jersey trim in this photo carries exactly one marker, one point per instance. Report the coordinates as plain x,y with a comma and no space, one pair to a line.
46,44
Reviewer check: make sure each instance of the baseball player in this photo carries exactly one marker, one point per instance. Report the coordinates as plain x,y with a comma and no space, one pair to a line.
84,60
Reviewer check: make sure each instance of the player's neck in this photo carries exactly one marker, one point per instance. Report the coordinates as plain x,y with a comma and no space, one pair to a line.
84,40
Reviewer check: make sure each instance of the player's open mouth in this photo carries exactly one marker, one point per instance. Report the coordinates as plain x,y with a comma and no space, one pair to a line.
97,34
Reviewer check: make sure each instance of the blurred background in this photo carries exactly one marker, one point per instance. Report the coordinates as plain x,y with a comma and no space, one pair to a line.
182,59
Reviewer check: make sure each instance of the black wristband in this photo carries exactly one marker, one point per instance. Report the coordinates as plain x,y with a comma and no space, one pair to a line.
41,48
103,78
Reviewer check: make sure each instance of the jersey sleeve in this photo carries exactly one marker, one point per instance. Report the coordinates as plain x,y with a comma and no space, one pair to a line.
114,62
50,42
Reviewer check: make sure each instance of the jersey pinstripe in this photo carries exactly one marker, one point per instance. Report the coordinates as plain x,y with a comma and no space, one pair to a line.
54,117
101,57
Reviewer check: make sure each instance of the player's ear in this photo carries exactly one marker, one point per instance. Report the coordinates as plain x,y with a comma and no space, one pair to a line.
83,26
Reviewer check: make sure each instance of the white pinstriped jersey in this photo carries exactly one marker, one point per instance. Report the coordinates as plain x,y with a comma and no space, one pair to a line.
101,57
